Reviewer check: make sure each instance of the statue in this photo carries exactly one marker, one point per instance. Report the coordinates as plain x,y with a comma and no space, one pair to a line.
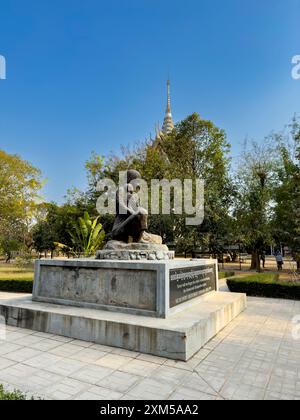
131,223
130,238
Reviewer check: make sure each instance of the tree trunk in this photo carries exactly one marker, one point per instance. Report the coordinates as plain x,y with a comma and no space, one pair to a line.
255,261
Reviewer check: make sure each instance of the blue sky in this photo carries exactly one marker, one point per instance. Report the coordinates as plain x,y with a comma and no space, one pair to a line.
90,75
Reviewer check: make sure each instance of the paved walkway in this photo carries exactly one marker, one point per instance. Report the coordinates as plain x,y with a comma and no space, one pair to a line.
255,357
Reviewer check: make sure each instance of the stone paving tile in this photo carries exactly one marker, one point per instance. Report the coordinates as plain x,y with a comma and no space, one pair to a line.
65,367
13,336
23,354
6,347
123,352
255,357
66,389
119,381
101,347
42,334
4,363
277,396
61,338
238,391
45,345
183,393
89,355
91,374
168,374
152,359
28,340
152,389
139,367
189,365
65,350
39,380
202,354
17,375
43,361
113,361
81,343
99,393
195,382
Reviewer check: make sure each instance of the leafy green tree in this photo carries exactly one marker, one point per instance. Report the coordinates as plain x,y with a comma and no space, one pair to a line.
199,149
286,223
253,207
20,183
195,149
8,246
44,238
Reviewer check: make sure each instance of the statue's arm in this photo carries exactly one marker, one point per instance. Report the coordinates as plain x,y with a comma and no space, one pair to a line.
121,203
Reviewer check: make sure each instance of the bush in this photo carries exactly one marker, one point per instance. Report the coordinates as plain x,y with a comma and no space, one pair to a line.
16,286
15,395
24,262
265,285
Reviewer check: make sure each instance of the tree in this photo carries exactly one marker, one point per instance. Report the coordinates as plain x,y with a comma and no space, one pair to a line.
199,149
54,226
8,246
20,183
252,212
43,238
287,193
195,149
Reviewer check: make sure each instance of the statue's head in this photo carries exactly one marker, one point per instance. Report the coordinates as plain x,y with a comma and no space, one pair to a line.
132,174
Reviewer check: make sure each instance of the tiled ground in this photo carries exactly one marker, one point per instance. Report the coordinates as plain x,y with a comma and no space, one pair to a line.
255,357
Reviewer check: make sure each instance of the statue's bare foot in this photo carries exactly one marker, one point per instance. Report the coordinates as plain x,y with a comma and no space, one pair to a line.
149,238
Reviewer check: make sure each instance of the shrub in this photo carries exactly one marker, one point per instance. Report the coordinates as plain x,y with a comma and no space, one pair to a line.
16,286
15,395
24,262
265,285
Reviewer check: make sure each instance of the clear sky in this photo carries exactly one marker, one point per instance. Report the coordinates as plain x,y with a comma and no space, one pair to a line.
90,75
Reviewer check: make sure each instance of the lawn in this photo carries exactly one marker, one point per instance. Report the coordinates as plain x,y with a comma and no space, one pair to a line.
226,274
15,279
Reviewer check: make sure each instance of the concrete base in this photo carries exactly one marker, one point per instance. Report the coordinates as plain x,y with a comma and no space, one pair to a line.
148,288
178,337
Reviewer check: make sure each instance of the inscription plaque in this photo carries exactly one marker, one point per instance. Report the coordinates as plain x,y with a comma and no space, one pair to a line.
189,283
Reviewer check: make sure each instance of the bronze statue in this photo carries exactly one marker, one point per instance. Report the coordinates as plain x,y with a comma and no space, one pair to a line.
131,221
130,239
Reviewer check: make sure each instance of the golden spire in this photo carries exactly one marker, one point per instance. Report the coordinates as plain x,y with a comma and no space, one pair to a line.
168,124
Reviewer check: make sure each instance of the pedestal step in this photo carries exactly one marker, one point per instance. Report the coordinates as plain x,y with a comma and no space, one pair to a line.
178,337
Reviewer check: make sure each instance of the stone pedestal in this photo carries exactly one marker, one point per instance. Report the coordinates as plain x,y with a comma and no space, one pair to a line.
166,308
178,337
157,289
115,250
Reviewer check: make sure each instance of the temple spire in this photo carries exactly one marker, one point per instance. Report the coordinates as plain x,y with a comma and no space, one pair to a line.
168,124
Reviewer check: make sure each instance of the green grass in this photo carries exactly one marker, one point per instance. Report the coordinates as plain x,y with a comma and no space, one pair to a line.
15,279
265,278
265,285
12,272
226,274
